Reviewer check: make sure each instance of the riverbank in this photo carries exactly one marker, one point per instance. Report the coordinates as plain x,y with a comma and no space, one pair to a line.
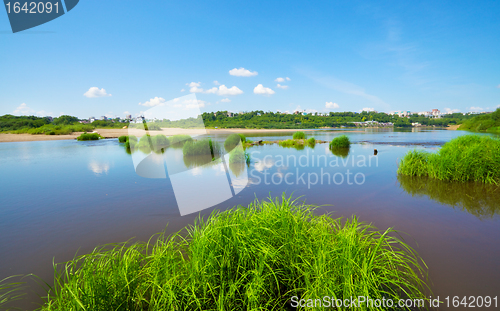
115,133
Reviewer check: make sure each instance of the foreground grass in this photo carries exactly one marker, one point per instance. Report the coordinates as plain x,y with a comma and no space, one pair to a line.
463,159
246,258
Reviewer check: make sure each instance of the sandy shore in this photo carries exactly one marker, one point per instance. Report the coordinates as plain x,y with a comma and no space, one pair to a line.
115,133
453,127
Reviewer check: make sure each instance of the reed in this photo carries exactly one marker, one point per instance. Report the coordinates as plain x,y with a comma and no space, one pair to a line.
204,146
233,140
341,141
89,136
246,258
299,135
465,158
180,139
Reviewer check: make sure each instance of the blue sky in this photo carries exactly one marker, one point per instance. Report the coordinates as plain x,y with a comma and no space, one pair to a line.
386,55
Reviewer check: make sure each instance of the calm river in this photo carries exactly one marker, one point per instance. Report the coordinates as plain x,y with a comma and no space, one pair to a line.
63,197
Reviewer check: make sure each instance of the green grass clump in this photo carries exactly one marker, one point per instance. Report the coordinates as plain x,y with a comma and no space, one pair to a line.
288,143
465,158
341,141
89,136
160,141
414,163
145,143
233,140
122,139
204,146
131,142
238,155
299,135
311,142
246,258
180,139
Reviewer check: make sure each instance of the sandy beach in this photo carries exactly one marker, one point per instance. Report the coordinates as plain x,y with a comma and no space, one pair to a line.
115,133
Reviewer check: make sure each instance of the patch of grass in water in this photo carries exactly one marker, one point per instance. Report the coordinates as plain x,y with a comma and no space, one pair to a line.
233,140
178,141
299,135
204,146
465,158
246,258
89,136
341,141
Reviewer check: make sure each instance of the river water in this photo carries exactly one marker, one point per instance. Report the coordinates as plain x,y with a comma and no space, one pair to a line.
63,197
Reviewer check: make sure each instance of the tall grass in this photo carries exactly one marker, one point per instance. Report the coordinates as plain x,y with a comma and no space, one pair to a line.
341,141
179,140
10,291
246,258
204,146
465,158
160,141
233,140
238,155
122,139
89,136
299,135
311,142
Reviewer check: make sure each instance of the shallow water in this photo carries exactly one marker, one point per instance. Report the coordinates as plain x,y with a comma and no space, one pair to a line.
60,197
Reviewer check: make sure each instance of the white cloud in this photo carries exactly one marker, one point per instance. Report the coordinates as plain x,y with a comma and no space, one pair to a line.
287,78
282,86
498,86
182,90
193,84
476,109
192,104
195,89
95,92
216,82
331,105
225,100
242,72
153,102
224,90
126,112
23,109
261,90
367,109
448,110
43,113
280,80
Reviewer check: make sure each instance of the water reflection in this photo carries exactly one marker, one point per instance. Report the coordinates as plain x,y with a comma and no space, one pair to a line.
341,152
481,200
99,168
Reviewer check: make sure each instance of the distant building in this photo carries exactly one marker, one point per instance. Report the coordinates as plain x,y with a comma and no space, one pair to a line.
91,119
436,113
50,119
104,118
129,117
